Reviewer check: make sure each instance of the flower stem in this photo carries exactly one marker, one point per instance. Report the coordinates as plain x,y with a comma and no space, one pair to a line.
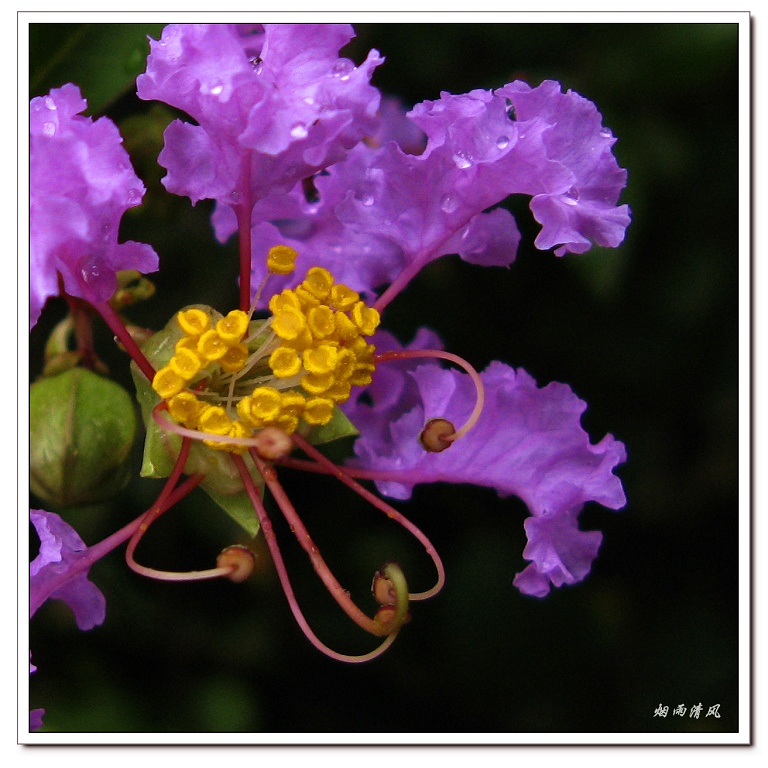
113,320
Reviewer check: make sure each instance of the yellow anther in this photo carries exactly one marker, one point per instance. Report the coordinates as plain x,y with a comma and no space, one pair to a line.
211,346
306,299
232,328
343,298
236,430
317,383
339,392
323,359
187,342
292,404
185,408
362,374
288,324
193,321
245,412
186,364
346,330
345,365
365,318
168,383
319,410
285,362
234,358
321,321
287,423
281,260
318,282
281,301
214,419
265,403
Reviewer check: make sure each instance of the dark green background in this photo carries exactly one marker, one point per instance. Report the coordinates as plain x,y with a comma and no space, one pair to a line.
646,334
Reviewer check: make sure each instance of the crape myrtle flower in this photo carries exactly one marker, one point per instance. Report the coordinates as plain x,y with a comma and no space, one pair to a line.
81,184
337,204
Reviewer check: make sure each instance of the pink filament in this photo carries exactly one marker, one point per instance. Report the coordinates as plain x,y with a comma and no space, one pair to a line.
410,354
330,468
282,572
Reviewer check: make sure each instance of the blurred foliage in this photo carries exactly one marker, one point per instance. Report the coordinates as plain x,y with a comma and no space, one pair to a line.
646,334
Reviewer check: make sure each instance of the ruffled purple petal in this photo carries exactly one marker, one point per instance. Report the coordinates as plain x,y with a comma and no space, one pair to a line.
528,442
81,184
58,572
274,104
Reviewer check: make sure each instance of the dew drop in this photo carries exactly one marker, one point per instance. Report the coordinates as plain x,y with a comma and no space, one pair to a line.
606,133
50,103
448,203
571,197
299,131
367,200
342,69
49,129
134,197
502,142
217,89
309,100
462,159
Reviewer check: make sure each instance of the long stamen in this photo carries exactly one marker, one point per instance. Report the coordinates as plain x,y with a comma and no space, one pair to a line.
388,510
282,572
338,592
410,354
170,493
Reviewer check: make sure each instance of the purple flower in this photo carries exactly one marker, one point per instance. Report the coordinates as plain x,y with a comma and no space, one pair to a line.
81,184
60,571
481,147
274,104
35,715
528,442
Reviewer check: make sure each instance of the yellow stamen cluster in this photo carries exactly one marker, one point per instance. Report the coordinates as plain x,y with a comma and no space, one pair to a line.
316,353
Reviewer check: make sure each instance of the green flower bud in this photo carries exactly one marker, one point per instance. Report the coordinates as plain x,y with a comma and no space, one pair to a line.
82,429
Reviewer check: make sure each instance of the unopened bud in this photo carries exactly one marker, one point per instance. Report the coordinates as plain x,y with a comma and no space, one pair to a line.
240,559
82,429
434,436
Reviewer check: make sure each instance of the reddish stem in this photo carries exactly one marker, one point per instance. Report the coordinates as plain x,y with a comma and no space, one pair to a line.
113,320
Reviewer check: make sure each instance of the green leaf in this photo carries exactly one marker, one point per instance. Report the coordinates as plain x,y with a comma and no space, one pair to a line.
337,428
103,59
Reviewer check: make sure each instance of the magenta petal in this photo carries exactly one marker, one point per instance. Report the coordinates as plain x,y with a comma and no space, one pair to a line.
58,573
81,184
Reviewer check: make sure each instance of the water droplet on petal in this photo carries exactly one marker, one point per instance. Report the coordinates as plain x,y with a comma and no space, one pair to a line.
342,69
309,100
606,133
448,203
134,197
367,200
502,142
462,159
50,103
49,129
571,197
217,89
299,131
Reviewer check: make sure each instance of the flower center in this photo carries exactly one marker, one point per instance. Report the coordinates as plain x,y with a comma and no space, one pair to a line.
231,376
